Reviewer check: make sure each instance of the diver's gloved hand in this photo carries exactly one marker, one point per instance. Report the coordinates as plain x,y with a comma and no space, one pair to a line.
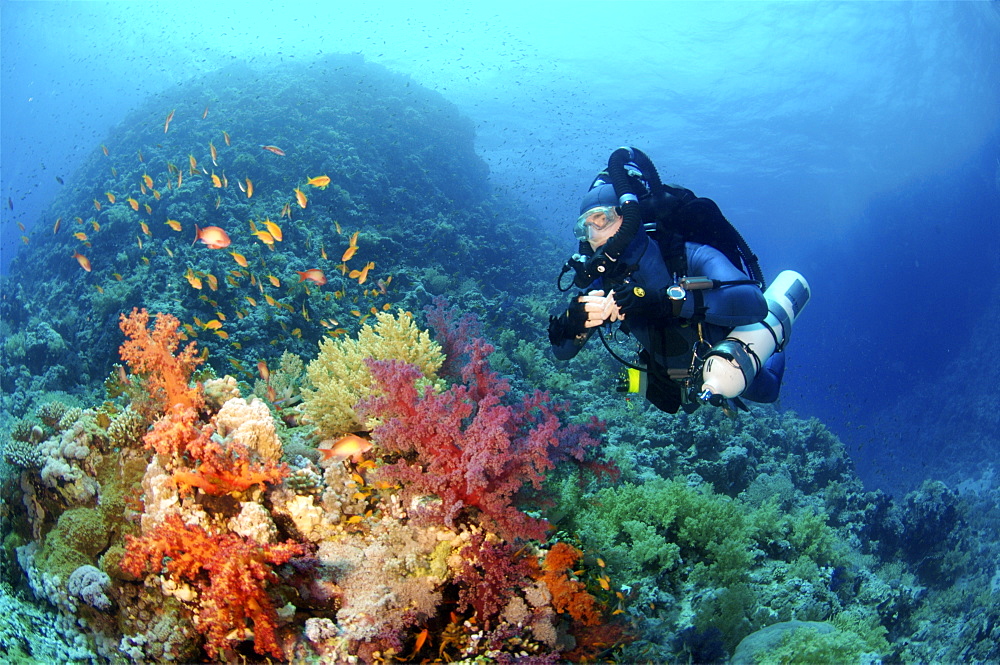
644,302
600,308
570,324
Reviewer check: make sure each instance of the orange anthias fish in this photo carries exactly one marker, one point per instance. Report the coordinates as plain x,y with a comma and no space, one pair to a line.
205,114
216,182
111,197
213,237
166,125
193,279
132,202
214,152
352,446
275,149
265,373
239,258
300,197
314,275
225,135
274,229
82,260
174,224
362,275
249,188
352,248
264,237
320,181
146,179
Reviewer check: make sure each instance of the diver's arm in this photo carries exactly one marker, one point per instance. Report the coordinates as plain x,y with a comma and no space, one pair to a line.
728,306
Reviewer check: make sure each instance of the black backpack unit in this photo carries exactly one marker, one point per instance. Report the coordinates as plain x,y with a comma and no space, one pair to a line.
673,215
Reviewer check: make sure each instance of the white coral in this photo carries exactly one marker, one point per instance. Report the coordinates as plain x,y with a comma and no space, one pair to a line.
88,584
251,425
254,522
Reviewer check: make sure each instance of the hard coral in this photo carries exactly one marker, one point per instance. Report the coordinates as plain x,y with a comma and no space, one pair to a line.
153,354
231,574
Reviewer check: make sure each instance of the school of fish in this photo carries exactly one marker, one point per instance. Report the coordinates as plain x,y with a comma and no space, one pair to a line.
249,272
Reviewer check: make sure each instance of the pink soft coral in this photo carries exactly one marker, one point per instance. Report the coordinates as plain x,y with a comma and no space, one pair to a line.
153,354
230,573
489,571
464,445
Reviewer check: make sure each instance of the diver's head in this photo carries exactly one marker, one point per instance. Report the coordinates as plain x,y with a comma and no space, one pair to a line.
600,218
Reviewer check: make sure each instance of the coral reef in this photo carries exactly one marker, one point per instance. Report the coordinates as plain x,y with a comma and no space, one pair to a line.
484,524
237,571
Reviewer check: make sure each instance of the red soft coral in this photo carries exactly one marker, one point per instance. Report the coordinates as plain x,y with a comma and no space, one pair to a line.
475,455
490,571
230,573
152,354
465,445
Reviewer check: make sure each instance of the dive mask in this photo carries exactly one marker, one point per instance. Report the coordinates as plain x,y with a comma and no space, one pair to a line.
595,219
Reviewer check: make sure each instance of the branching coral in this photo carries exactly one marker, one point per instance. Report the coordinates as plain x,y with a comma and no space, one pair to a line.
153,354
231,574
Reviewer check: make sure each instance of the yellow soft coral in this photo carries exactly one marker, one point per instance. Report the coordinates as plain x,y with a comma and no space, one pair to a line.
340,376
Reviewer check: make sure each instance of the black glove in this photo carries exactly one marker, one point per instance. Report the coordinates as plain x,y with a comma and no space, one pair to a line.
639,301
569,324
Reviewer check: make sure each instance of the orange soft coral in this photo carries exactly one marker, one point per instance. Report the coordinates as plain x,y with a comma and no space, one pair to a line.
177,433
230,573
216,480
568,594
212,466
153,354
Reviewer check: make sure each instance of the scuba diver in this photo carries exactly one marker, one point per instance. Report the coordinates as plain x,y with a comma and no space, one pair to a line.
673,273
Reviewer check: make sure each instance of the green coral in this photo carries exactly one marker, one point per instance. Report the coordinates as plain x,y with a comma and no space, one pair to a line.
340,376
79,535
852,640
732,567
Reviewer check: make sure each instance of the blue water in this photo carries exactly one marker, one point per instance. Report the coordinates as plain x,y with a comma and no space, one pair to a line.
858,143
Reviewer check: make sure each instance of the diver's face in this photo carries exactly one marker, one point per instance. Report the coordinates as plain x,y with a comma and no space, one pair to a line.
598,225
